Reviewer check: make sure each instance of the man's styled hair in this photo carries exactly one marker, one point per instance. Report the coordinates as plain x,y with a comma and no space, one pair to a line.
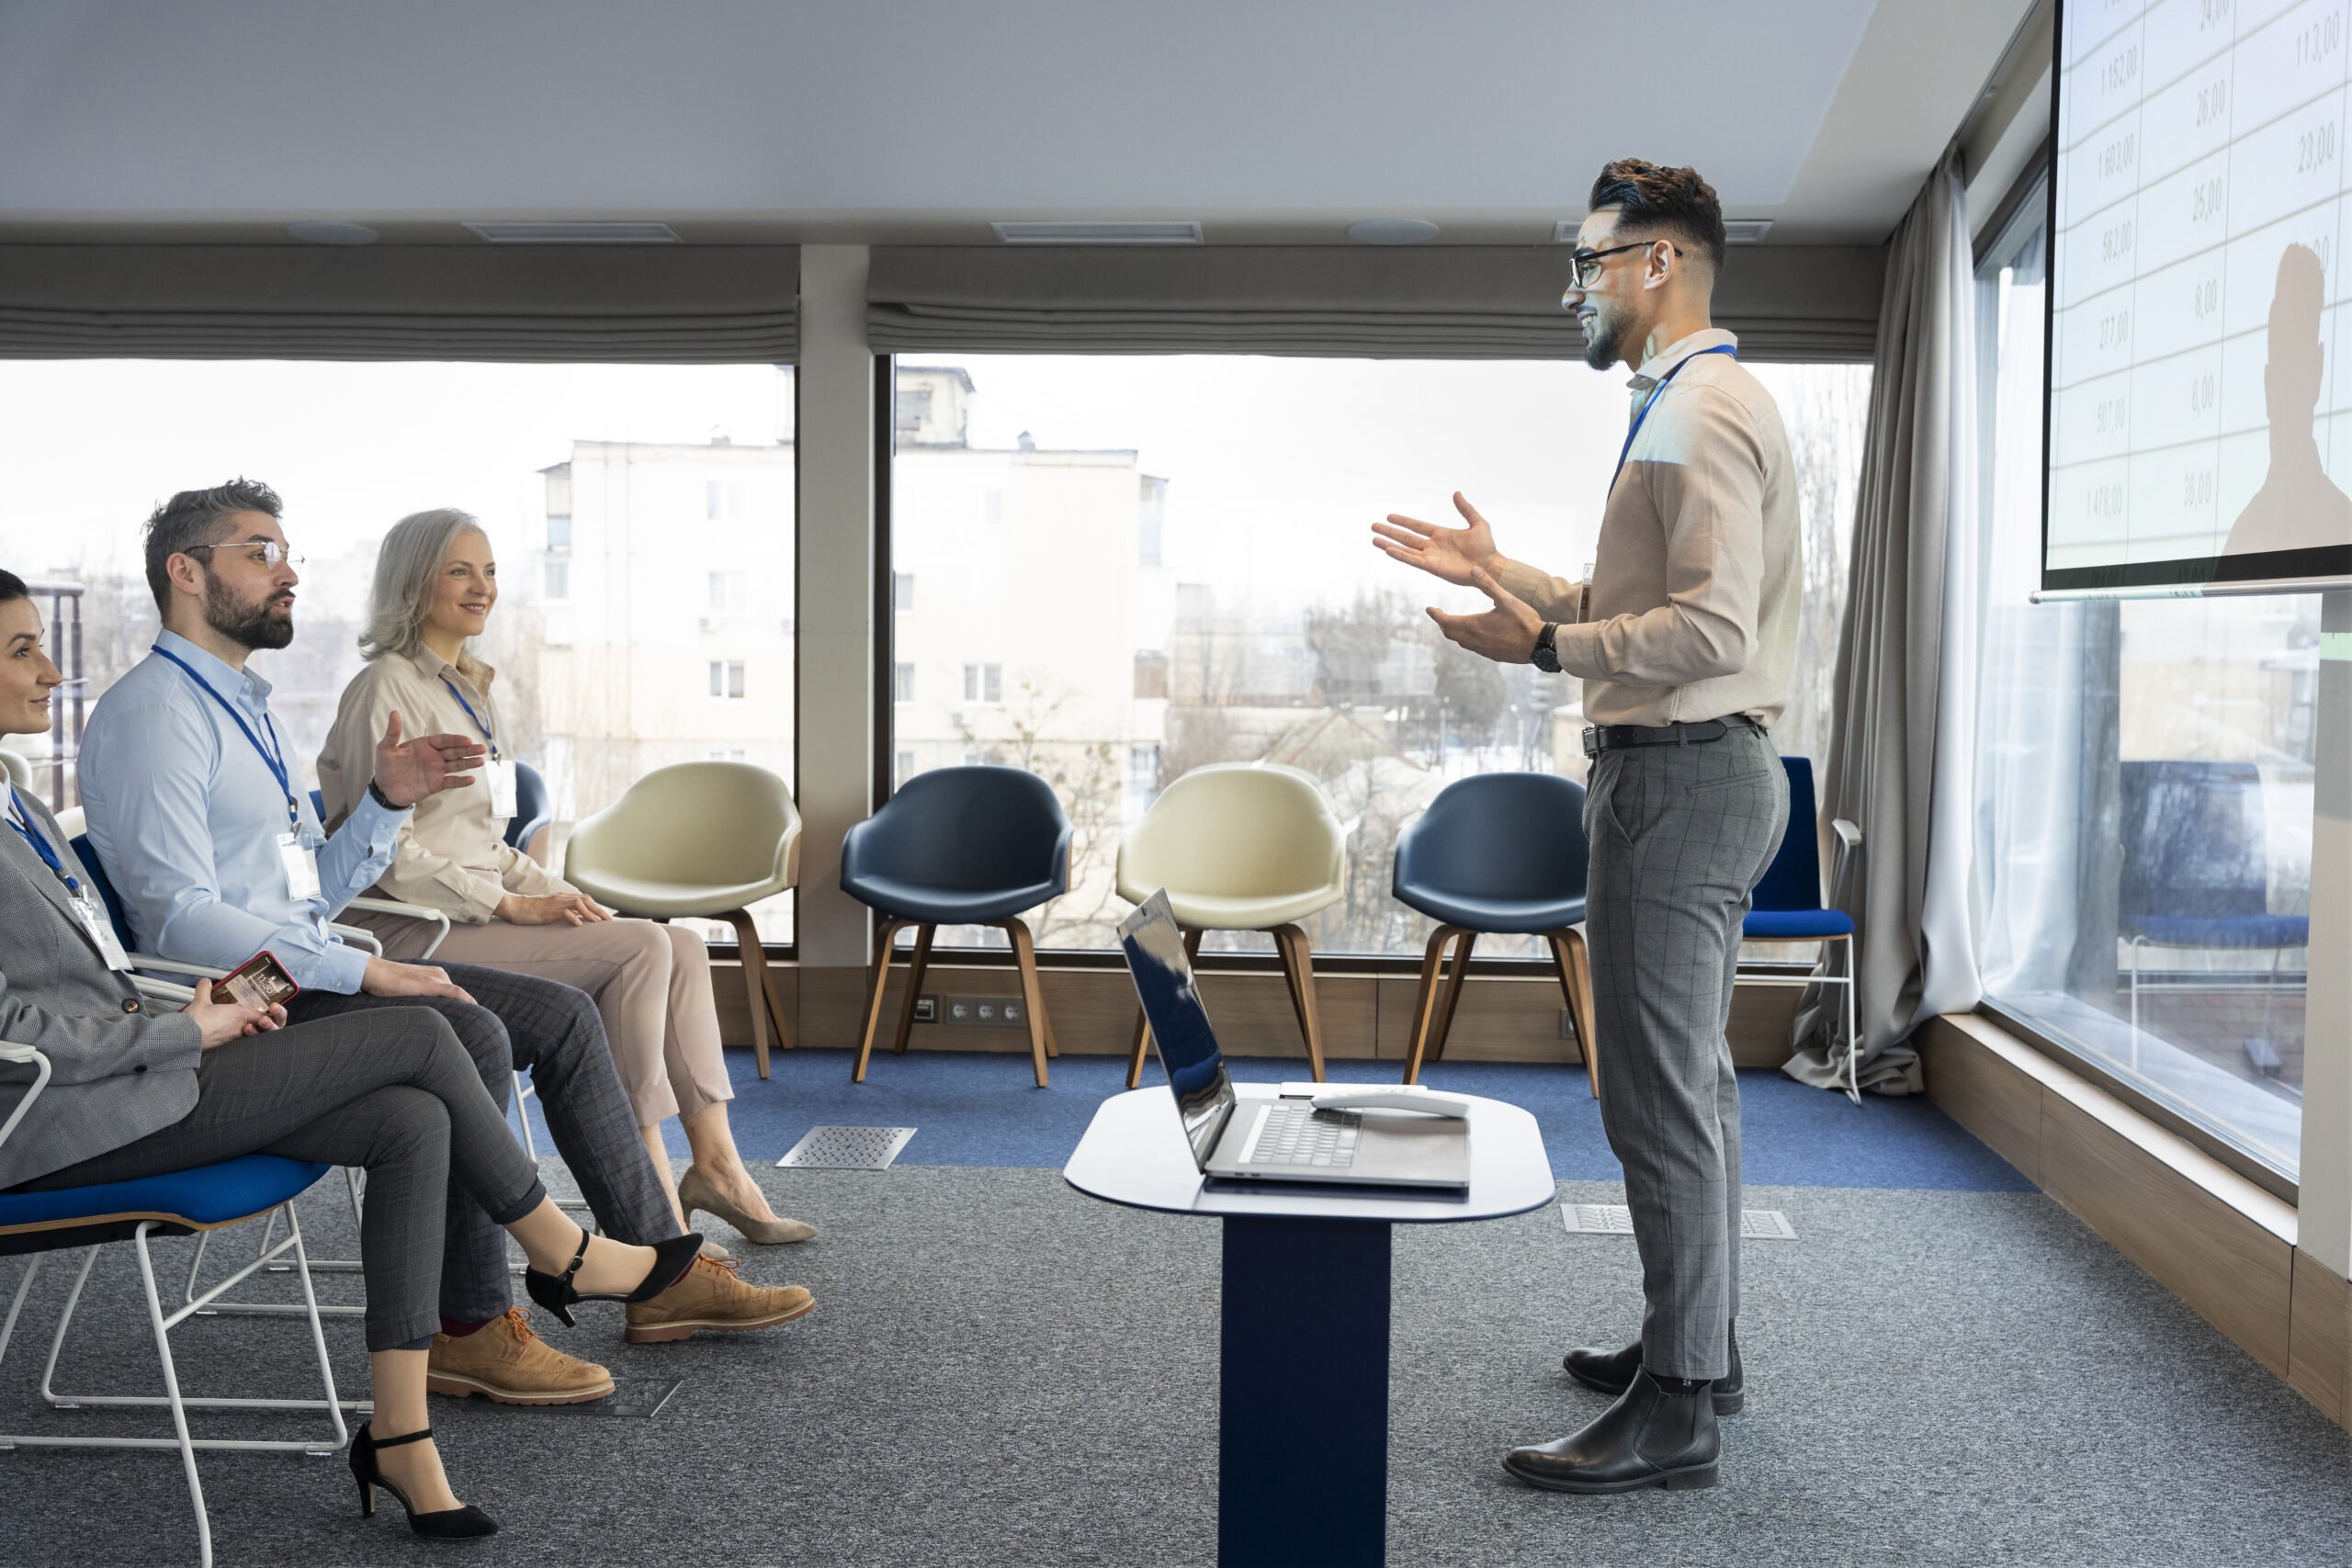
1673,202
188,519
408,567
12,588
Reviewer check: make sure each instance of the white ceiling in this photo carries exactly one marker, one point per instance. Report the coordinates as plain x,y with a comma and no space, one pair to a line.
1271,120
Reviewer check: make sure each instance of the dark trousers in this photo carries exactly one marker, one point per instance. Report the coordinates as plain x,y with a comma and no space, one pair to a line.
390,1092
518,1021
1680,835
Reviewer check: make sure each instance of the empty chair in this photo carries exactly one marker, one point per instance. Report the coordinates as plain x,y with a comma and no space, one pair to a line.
16,767
534,810
1241,847
1787,906
1501,854
972,846
703,840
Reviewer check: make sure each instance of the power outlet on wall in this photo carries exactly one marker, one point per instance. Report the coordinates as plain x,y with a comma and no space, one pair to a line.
979,1012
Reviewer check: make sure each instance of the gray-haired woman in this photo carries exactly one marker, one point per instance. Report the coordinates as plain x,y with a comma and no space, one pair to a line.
436,584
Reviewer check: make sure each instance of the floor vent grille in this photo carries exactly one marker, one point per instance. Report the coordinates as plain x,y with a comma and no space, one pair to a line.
847,1148
1616,1219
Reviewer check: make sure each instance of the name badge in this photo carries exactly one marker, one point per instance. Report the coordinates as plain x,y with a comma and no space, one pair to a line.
300,863
100,931
500,776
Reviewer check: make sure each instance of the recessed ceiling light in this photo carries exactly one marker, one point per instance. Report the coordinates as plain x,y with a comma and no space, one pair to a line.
326,233
1391,231
576,232
1172,232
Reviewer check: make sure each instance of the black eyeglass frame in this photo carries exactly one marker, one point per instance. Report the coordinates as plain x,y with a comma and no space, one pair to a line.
285,556
1579,261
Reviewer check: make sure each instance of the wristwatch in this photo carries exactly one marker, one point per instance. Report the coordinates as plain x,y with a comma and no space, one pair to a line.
382,799
1546,658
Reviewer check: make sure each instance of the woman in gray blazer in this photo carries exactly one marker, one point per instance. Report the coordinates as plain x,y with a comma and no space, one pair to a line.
136,1091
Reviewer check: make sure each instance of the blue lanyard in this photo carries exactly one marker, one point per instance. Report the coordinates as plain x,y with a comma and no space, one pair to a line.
1623,452
472,715
22,820
274,754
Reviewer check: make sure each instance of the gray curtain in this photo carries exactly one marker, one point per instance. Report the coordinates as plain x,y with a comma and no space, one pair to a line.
1902,743
1790,303
652,304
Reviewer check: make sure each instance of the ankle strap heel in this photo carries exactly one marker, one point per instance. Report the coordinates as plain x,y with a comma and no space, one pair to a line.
462,1523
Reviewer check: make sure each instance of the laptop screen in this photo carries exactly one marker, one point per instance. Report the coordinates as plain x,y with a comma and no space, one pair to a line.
1179,1025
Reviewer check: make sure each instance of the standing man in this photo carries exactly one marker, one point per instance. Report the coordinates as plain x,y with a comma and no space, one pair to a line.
1684,638
200,821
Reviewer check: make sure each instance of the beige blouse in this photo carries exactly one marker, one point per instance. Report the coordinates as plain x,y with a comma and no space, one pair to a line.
453,856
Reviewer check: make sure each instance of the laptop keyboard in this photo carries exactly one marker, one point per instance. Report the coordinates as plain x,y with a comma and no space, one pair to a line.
1298,1134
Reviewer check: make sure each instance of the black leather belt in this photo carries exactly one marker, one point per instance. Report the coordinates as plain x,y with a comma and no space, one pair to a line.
1599,738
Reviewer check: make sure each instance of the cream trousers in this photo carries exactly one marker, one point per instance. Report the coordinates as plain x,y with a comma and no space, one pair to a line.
651,983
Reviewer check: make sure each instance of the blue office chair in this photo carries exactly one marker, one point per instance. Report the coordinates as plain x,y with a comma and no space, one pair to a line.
189,1202
2196,873
1787,906
533,808
971,846
1503,853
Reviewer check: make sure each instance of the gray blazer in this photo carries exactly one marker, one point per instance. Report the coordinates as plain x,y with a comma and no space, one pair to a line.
121,1068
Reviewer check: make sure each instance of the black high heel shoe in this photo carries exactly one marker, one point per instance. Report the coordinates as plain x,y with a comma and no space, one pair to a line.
556,1292
446,1524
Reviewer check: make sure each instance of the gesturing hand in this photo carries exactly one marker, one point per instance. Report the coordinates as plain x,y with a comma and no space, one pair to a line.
1449,553
408,771
1505,634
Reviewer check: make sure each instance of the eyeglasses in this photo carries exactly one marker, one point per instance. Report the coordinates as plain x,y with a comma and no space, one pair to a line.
1585,266
265,552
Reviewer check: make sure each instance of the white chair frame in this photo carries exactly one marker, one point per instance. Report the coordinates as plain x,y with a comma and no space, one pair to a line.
1849,838
160,1324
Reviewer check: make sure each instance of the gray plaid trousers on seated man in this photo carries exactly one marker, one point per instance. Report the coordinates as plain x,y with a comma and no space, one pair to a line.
1680,835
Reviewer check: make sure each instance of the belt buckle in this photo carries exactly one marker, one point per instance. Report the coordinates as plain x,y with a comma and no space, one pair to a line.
1591,741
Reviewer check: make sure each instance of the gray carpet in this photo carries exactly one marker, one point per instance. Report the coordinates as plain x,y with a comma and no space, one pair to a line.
1000,1371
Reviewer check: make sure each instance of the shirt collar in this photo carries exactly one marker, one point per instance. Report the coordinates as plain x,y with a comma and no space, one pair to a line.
1662,365
469,668
214,671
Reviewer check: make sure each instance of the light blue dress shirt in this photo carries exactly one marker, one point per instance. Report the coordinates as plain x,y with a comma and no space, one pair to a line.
184,816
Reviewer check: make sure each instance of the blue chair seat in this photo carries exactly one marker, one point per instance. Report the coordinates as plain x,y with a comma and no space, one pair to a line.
1509,916
208,1195
930,905
2220,930
1796,925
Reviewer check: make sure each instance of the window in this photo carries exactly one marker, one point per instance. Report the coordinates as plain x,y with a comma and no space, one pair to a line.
731,593
905,769
727,754
722,499
592,662
902,592
2144,790
1160,587
727,679
902,682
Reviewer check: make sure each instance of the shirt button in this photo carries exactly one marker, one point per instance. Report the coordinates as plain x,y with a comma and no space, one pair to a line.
131,1004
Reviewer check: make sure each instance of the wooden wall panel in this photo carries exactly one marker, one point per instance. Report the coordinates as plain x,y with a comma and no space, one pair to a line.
2318,1347
1985,1093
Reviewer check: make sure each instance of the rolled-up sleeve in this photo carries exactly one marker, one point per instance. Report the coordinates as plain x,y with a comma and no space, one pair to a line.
1709,494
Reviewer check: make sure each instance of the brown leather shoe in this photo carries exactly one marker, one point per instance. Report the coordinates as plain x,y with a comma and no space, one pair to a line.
713,1296
506,1361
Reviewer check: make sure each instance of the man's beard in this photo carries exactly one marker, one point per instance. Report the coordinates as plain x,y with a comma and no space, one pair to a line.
248,625
1600,344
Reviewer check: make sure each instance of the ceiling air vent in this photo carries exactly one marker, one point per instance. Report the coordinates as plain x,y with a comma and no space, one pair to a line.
1176,232
590,232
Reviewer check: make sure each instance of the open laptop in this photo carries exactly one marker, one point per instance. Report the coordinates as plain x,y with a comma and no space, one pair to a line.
1276,1139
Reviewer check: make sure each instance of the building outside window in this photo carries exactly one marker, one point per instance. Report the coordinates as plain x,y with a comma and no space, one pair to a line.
723,498
902,682
727,679
902,592
1219,572
566,464
2146,768
731,593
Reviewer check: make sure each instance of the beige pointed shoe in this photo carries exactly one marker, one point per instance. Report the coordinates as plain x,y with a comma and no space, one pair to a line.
696,1192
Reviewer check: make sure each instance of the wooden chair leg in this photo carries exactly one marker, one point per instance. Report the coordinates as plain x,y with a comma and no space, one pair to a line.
873,1001
1575,980
1298,968
1143,1024
1025,958
1422,996
755,981
1462,951
914,987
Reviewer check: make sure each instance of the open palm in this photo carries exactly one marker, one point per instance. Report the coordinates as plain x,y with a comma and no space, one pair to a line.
1451,554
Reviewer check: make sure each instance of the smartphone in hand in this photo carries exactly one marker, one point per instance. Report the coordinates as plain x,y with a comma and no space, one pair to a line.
260,983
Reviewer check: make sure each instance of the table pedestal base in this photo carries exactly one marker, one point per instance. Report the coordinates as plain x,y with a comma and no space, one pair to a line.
1303,1430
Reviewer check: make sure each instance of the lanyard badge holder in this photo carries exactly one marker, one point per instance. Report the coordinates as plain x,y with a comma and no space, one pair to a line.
87,911
499,776
296,859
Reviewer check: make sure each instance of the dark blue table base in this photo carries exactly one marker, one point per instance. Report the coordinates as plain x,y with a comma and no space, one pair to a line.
1303,1432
